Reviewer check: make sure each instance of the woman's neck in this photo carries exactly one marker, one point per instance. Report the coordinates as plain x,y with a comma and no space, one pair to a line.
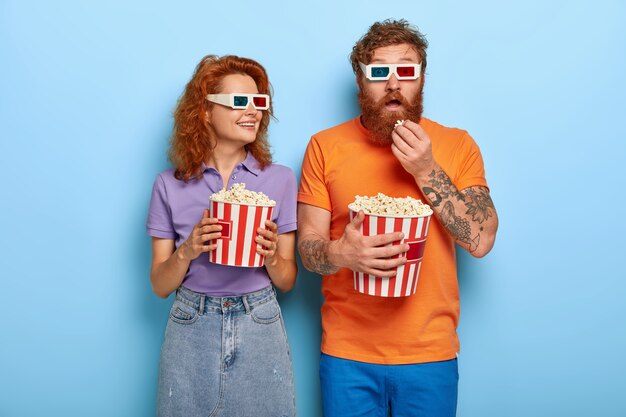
225,159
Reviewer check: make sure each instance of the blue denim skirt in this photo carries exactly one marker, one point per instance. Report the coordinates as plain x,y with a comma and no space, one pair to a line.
225,356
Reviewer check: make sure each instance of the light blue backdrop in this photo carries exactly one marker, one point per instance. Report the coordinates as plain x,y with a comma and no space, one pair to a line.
86,95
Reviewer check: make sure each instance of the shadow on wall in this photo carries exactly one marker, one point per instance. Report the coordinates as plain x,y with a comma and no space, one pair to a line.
301,311
150,312
301,306
474,276
350,102
468,270
152,309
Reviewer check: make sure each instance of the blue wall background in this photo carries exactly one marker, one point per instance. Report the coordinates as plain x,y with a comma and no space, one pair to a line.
86,95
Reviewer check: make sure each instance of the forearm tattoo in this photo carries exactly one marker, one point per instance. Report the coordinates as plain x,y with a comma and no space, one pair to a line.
314,255
442,191
479,204
459,227
441,188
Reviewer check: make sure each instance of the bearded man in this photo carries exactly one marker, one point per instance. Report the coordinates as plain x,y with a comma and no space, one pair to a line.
391,356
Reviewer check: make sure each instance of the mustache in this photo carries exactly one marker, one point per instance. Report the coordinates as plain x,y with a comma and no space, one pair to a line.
394,95
379,122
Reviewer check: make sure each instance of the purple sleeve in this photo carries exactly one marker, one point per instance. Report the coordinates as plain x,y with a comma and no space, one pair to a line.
286,219
159,222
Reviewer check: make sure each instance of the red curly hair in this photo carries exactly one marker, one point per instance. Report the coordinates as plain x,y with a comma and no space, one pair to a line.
386,33
192,140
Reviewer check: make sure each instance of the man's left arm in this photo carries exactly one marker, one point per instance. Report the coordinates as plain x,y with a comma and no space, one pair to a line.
468,215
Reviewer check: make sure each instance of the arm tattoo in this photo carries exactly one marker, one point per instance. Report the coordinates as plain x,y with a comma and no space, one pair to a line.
314,255
441,192
441,188
459,227
478,203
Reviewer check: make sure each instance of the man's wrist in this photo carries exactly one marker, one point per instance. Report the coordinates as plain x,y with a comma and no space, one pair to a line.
332,253
423,177
320,255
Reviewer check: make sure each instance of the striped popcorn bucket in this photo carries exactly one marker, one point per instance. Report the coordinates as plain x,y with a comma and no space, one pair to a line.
404,283
239,222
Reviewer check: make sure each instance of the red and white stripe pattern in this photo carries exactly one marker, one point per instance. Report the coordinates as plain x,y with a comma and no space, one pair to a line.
404,283
239,222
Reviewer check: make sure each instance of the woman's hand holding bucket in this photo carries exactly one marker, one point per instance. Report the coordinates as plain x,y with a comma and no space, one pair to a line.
268,241
204,231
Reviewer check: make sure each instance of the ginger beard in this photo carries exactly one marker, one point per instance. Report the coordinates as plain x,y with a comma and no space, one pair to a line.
380,122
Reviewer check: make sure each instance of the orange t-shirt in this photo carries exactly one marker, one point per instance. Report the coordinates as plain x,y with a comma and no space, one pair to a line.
342,162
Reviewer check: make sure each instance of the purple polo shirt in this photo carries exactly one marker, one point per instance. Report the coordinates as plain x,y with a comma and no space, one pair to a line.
176,207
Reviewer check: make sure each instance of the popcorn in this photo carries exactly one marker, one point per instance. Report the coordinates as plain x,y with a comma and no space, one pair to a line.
240,213
239,195
398,123
382,205
384,214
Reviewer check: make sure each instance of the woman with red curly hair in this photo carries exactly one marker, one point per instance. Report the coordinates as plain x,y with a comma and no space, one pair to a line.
225,351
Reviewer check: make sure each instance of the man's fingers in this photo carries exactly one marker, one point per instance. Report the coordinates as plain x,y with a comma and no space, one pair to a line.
374,256
384,239
416,129
387,251
402,158
385,264
358,219
400,144
405,139
380,272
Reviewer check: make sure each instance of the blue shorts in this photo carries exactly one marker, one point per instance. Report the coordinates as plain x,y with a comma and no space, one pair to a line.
351,388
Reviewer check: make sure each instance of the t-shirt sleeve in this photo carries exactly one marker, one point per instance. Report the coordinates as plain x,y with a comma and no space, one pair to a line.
159,223
471,170
286,219
313,188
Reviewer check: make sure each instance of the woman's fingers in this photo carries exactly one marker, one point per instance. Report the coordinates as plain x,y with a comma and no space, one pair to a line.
267,240
209,236
209,248
267,234
210,228
264,252
269,244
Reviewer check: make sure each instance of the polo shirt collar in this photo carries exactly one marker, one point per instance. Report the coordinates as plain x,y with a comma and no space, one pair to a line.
250,163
